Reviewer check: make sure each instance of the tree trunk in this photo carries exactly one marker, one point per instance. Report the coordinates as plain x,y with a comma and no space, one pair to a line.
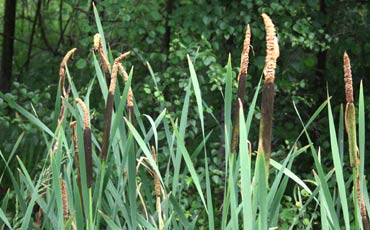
8,45
167,34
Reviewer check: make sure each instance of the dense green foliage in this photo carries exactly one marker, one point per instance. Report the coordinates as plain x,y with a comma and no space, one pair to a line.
312,36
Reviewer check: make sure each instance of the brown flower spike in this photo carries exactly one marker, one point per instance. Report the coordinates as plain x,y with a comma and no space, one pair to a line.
87,143
267,107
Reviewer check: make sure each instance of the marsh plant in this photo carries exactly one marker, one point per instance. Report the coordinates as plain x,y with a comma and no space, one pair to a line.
125,176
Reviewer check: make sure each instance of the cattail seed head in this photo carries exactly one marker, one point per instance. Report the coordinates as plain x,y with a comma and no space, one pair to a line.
272,49
348,78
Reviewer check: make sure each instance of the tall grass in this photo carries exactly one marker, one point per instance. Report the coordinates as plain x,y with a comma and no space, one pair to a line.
133,180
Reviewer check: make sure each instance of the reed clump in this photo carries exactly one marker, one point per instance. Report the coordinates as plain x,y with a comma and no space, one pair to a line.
109,105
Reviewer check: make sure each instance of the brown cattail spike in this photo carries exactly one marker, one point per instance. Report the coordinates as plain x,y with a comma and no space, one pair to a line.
267,107
242,78
87,143
109,106
62,70
272,49
348,78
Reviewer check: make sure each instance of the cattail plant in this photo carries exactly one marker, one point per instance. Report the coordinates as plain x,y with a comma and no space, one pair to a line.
98,48
87,143
267,107
157,189
242,77
130,95
350,124
77,161
62,74
64,96
109,106
64,200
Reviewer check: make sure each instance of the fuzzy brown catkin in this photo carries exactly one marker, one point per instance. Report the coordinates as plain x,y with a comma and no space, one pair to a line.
272,49
348,78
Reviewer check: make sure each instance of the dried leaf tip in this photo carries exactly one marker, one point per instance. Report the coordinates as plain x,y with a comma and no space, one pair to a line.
245,53
348,78
272,49
85,111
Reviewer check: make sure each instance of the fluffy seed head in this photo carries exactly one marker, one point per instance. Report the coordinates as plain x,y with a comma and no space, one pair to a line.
245,53
272,49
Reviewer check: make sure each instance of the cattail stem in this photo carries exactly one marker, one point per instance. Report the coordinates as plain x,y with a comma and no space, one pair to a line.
109,106
157,189
77,160
267,107
87,143
130,94
350,124
242,78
